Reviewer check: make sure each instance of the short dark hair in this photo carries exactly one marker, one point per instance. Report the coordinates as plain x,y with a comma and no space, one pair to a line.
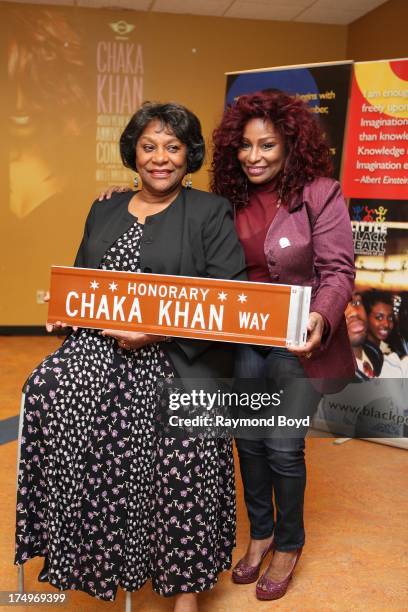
375,296
185,125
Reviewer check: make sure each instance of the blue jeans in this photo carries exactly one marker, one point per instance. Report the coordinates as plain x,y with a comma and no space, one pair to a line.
275,465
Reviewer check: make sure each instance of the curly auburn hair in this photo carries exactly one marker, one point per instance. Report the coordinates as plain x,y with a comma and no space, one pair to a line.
307,153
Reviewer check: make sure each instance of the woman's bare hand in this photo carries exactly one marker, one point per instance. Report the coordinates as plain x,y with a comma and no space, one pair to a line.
315,330
54,327
58,325
131,341
107,193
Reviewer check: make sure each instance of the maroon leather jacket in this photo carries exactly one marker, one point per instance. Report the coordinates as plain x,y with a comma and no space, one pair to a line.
310,243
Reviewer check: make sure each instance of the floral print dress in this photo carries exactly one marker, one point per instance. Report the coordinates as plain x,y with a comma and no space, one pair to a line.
110,499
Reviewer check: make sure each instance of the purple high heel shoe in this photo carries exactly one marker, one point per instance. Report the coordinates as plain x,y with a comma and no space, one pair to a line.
249,573
267,589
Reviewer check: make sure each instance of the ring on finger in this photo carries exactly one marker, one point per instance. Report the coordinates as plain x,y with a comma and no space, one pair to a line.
308,355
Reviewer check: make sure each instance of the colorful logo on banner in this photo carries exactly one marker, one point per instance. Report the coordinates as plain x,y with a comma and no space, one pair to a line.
368,214
369,229
376,153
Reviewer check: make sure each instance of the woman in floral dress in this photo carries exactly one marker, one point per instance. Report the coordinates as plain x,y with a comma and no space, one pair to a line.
104,495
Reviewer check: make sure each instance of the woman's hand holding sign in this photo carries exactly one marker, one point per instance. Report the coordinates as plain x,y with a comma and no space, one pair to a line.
58,325
315,331
131,341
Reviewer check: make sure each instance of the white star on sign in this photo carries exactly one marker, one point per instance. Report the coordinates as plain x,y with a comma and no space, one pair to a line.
222,296
113,286
94,285
242,298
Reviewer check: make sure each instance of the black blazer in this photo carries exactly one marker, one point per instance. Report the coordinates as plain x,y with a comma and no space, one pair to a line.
194,236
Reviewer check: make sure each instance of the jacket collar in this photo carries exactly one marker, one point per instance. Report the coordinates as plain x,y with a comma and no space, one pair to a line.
296,201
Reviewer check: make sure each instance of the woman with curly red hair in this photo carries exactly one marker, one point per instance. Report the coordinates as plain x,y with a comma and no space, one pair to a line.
272,162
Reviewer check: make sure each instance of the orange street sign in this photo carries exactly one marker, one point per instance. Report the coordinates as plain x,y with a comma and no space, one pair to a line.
188,307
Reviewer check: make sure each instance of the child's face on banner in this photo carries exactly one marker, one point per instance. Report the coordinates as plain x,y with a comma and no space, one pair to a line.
356,319
380,322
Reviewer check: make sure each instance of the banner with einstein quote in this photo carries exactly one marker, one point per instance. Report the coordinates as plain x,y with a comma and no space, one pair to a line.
375,175
376,151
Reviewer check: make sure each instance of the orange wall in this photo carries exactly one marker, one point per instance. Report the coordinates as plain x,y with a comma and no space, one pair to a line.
172,71
381,34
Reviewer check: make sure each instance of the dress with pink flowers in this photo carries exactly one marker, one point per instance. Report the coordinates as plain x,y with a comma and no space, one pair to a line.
102,492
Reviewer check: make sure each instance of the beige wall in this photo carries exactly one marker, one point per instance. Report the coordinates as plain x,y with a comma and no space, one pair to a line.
381,34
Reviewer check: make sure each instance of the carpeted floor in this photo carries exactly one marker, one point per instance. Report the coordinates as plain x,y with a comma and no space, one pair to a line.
356,555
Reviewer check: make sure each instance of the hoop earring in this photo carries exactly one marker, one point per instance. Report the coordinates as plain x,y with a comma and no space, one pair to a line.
188,181
136,182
